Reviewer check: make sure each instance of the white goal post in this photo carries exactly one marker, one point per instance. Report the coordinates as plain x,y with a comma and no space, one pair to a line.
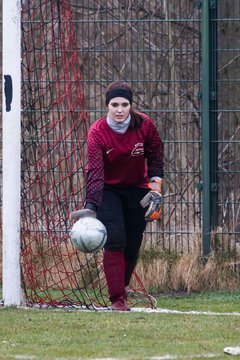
11,152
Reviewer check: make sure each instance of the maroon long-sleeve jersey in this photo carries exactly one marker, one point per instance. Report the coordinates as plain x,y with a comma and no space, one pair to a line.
123,160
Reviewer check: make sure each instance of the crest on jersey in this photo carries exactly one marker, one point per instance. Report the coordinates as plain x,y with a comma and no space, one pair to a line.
138,149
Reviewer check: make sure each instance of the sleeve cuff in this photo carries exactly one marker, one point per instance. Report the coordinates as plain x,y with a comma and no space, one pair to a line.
155,178
90,206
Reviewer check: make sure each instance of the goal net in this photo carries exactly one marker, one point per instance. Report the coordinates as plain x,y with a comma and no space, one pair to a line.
55,125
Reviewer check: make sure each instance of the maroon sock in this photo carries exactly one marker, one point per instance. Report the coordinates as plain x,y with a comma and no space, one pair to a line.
113,263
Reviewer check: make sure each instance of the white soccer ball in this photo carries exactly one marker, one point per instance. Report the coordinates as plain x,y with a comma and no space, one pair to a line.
88,235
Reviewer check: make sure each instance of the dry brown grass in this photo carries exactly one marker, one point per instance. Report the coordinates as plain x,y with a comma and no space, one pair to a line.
158,270
189,272
57,265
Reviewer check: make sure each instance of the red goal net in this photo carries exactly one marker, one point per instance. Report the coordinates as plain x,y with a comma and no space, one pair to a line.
55,124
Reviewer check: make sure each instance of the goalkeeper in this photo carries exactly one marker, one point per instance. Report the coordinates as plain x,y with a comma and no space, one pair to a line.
124,185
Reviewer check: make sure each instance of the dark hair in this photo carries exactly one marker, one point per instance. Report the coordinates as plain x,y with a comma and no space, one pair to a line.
136,118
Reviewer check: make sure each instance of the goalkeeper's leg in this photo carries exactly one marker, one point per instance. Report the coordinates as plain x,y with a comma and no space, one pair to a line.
134,226
111,214
113,263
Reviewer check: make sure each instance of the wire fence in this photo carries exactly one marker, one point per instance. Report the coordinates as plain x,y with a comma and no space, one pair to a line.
154,45
228,124
157,47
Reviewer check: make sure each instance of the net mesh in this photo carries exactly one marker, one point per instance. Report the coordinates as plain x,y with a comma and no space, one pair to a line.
55,124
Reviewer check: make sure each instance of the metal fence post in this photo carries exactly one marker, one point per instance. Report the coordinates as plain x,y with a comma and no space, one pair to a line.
213,113
209,123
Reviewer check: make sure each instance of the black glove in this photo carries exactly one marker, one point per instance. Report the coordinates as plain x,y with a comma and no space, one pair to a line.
75,215
153,200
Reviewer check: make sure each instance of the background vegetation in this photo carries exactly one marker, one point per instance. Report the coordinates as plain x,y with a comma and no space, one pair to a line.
156,46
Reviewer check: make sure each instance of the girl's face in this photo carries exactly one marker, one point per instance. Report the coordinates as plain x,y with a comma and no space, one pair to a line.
118,109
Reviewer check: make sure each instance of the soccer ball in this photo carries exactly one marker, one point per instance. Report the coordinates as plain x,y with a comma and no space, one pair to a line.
88,235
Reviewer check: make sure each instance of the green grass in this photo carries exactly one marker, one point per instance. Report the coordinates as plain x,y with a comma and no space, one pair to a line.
205,301
70,334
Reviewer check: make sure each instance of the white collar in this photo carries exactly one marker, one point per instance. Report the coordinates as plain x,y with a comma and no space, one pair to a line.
119,128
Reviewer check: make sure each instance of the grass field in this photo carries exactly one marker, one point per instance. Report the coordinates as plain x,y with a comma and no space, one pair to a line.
72,334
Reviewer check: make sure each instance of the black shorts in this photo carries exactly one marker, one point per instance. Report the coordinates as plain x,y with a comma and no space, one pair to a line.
123,216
